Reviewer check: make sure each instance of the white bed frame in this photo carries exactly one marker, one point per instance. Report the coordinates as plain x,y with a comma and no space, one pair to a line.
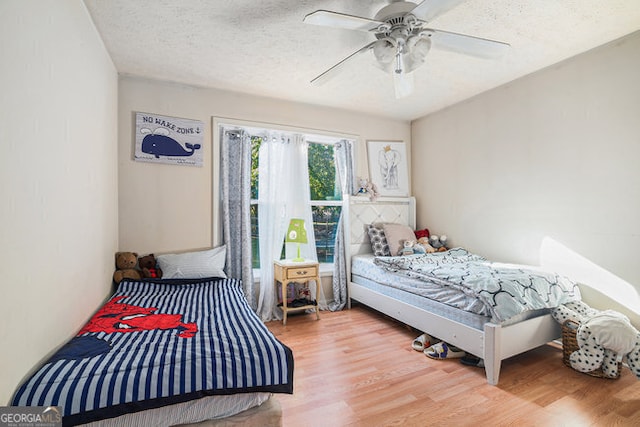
494,344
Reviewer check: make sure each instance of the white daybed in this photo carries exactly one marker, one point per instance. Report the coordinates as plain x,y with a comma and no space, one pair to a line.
490,341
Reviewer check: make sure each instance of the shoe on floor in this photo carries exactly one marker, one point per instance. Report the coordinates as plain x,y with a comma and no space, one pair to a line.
442,350
471,360
422,342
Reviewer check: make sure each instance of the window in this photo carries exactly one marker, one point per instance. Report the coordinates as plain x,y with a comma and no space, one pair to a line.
326,198
255,245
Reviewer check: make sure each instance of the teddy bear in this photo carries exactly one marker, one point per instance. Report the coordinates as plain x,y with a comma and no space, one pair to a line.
126,267
372,190
410,247
362,186
439,243
423,242
367,188
149,267
604,339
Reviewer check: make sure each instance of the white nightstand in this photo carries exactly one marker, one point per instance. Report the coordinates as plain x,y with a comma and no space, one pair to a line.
286,272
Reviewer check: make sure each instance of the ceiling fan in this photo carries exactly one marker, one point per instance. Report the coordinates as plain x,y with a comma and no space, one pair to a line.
403,39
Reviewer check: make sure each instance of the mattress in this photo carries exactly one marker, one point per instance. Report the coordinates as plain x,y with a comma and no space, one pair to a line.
448,303
205,408
363,266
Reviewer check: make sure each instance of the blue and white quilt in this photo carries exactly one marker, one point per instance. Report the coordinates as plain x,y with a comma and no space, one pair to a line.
506,290
160,342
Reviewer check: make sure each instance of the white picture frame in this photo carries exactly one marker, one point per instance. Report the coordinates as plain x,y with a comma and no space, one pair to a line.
388,167
170,140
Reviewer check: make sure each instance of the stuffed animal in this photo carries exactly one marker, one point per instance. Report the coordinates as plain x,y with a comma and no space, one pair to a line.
411,247
366,187
604,339
439,243
362,186
126,267
407,248
149,267
372,190
423,242
418,249
422,233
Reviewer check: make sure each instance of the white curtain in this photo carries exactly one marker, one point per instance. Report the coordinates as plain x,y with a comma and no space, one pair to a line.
283,194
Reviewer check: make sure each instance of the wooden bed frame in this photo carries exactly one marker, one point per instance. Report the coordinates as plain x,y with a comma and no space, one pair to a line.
494,343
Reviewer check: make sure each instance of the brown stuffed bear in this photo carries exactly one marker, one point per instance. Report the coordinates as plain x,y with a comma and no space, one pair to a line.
424,242
149,267
125,267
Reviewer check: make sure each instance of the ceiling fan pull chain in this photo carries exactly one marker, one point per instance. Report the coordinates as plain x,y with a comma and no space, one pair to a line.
399,51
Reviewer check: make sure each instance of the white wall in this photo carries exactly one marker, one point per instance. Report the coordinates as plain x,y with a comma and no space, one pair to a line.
168,207
544,170
59,179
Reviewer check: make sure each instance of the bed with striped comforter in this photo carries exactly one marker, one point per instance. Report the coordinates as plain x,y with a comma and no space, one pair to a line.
160,342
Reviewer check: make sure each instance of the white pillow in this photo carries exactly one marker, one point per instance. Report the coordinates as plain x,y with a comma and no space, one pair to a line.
396,234
193,265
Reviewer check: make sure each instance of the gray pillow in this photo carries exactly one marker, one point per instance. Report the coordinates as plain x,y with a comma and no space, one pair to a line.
379,244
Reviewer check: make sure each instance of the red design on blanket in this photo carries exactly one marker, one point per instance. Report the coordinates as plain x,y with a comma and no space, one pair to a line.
120,317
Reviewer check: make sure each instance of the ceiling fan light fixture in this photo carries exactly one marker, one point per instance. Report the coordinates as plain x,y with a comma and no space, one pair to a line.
384,50
419,48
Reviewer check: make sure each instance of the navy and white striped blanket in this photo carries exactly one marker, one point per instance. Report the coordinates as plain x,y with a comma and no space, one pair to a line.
159,342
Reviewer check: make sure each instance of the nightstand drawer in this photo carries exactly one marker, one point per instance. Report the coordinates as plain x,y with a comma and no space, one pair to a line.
302,272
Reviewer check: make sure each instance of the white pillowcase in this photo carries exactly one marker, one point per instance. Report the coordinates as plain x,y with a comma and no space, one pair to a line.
194,265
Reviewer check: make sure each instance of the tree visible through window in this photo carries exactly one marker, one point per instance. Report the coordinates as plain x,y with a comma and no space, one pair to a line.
325,192
255,245
326,199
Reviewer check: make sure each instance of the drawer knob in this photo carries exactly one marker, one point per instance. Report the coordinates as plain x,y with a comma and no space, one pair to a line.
301,272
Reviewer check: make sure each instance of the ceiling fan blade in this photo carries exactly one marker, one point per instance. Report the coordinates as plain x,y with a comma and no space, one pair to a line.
324,77
341,20
461,43
431,9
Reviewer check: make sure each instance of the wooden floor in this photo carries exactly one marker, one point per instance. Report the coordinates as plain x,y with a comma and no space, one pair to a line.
357,367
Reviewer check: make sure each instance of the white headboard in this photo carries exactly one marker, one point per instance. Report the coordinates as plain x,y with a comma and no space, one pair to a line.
362,211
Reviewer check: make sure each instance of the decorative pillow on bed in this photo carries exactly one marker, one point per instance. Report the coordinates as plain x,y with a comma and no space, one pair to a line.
193,265
379,245
396,234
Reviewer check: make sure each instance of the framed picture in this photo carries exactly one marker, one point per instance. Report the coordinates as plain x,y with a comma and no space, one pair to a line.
388,167
173,140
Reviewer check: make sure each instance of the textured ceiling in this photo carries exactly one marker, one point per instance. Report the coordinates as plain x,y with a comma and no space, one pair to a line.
263,47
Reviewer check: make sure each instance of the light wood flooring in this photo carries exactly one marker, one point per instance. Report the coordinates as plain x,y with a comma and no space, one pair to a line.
357,368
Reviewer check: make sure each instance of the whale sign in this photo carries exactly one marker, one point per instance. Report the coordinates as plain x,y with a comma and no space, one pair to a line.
162,139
